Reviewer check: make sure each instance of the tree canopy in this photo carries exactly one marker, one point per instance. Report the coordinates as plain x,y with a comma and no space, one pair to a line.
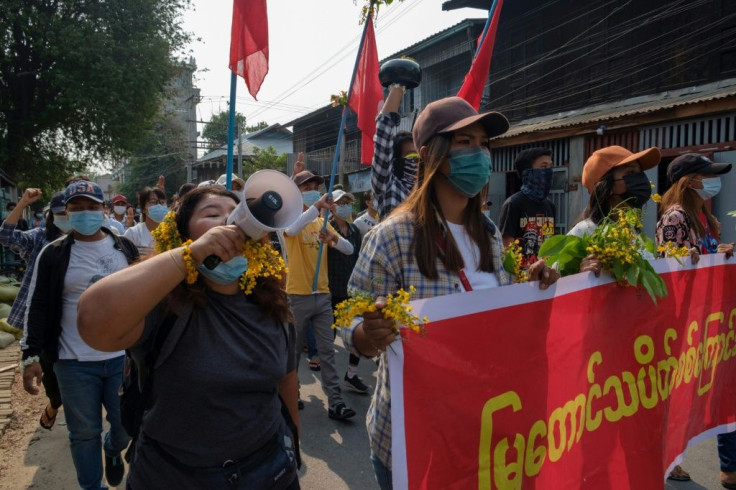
81,80
215,131
264,159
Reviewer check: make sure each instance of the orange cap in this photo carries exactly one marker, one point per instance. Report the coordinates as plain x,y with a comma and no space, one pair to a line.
603,160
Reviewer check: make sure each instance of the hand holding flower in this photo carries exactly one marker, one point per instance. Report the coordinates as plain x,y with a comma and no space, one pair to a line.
591,264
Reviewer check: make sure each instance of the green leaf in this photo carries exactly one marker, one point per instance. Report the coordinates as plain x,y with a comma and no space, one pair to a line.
553,245
649,245
632,275
618,271
648,283
509,262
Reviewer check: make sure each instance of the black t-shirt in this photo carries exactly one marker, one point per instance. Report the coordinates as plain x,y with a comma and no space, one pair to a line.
528,221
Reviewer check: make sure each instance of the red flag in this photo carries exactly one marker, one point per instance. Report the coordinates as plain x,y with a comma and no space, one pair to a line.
366,94
249,42
475,80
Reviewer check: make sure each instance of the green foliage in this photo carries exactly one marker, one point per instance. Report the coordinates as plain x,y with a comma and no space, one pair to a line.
264,159
215,131
80,79
617,244
257,127
372,7
164,152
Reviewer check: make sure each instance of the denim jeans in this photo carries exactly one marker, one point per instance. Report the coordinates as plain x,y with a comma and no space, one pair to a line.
383,475
311,342
86,387
727,451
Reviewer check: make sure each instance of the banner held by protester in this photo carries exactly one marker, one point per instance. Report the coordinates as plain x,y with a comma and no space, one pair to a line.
587,386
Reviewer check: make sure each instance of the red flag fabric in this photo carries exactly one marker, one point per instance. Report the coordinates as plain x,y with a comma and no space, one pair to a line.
366,94
249,42
475,80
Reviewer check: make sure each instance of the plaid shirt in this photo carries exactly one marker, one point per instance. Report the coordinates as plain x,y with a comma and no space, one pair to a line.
389,190
29,245
386,264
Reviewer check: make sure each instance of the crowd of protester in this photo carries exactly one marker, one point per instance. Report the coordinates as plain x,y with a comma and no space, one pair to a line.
231,358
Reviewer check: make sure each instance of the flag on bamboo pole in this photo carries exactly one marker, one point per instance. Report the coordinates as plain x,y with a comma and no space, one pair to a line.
366,94
475,80
249,42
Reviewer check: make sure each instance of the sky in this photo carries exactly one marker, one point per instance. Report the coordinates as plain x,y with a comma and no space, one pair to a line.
313,45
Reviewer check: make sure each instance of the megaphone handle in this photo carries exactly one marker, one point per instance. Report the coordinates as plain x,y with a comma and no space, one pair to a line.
212,261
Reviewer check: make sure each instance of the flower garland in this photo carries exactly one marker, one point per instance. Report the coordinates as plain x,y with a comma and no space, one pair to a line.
263,260
512,258
397,308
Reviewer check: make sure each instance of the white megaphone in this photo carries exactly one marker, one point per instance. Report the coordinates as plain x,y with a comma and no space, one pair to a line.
272,202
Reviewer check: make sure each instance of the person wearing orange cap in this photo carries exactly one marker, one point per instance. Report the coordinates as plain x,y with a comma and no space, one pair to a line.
614,177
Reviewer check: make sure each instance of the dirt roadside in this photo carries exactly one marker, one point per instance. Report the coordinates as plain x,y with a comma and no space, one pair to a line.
31,457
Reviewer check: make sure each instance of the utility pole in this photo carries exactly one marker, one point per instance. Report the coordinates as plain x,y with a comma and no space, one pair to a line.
240,151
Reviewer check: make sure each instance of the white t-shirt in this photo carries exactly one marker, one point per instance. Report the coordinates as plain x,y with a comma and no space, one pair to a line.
471,257
141,238
113,225
364,223
88,263
585,227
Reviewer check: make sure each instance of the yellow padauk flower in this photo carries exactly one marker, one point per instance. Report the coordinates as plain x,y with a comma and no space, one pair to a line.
656,198
397,308
512,258
670,249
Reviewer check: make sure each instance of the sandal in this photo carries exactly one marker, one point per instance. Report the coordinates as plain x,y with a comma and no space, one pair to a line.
47,421
314,364
678,474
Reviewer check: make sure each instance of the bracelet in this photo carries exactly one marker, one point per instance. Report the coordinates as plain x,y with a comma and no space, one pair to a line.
27,362
393,85
173,259
192,271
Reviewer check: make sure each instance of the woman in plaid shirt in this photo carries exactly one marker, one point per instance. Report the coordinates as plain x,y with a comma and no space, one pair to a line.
438,241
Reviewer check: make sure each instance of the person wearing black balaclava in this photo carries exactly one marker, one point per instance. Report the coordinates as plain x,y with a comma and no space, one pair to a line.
528,216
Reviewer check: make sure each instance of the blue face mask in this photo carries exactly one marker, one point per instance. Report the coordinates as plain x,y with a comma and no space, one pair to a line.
61,221
711,188
310,197
226,272
157,212
86,222
344,211
470,170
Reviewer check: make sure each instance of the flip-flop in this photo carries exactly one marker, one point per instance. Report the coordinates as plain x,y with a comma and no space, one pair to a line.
47,421
314,364
678,474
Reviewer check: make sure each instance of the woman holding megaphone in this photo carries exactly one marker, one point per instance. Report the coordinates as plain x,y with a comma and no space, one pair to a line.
216,419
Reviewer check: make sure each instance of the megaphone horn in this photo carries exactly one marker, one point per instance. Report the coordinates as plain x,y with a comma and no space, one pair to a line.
403,71
272,202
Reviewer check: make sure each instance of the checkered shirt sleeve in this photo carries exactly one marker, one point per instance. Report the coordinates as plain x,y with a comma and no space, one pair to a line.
389,190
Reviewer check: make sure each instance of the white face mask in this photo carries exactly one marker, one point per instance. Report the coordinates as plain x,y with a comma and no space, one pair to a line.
119,209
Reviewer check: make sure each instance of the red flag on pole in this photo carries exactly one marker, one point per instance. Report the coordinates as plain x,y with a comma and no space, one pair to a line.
249,42
366,94
475,79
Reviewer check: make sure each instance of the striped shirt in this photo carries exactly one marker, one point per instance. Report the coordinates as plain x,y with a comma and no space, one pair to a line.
386,264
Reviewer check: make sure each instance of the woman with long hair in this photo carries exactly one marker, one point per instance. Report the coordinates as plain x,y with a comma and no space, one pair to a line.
685,219
216,418
436,241
615,179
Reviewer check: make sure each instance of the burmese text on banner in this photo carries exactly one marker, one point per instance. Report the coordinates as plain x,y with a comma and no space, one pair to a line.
586,385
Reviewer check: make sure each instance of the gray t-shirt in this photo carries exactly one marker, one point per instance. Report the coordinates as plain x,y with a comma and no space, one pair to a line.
216,393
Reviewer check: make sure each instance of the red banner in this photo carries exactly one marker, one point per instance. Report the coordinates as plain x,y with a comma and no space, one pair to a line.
587,385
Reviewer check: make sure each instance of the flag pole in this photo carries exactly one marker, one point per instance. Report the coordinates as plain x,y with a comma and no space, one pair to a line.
485,29
333,171
231,131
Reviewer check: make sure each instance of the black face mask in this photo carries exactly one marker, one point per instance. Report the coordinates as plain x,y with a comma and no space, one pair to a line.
638,189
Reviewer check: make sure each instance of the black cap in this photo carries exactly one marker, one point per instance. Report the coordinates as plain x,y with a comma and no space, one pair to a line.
694,163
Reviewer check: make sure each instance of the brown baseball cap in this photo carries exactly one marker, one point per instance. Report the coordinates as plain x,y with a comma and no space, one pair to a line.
453,113
305,176
603,160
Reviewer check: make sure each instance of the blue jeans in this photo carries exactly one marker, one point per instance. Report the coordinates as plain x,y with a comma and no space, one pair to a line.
86,387
383,475
727,451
